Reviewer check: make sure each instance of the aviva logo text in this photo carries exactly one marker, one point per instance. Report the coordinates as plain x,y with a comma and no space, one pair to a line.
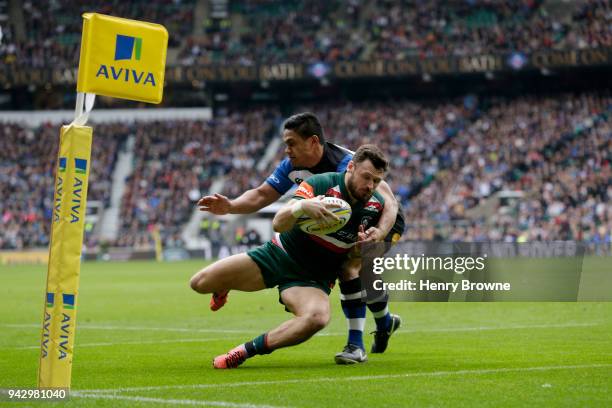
126,49
125,46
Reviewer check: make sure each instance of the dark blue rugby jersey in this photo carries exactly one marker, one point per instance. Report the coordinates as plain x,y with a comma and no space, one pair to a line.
335,159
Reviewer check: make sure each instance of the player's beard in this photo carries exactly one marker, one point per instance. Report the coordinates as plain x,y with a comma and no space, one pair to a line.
361,195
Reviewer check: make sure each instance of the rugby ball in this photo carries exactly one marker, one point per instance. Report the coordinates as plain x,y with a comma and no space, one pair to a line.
315,227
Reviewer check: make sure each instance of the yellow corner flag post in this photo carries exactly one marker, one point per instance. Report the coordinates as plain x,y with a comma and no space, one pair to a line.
119,58
67,230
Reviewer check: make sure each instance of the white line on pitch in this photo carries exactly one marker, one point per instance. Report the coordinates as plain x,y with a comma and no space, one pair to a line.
331,380
134,328
222,331
170,401
119,343
512,327
439,330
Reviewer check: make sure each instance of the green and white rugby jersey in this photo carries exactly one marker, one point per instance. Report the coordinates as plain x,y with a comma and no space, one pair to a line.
322,256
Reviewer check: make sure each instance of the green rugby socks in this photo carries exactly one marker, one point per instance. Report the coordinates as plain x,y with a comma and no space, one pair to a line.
259,345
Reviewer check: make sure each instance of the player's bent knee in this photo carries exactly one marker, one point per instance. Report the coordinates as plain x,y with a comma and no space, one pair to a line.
317,320
350,270
200,282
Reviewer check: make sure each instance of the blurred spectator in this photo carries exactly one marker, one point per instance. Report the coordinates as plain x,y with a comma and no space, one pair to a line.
270,31
53,28
449,159
556,151
28,162
176,162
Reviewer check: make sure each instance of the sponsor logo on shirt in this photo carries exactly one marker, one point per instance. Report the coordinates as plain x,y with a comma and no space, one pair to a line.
334,192
305,190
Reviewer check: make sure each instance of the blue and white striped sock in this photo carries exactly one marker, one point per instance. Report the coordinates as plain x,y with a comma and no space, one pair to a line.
354,308
380,311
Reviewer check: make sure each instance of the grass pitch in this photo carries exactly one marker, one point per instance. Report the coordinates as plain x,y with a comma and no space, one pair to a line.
145,339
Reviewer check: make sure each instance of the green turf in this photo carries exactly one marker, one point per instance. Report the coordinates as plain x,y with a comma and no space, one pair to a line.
157,333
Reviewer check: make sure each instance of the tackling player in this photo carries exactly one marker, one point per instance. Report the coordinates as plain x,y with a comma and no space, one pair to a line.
308,153
301,265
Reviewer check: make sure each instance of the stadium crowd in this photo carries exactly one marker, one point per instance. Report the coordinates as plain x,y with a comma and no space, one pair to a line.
522,145
568,190
53,28
175,165
409,132
296,31
427,28
27,173
448,159
268,31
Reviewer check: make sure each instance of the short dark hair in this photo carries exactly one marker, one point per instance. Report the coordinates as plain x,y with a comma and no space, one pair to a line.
305,124
372,153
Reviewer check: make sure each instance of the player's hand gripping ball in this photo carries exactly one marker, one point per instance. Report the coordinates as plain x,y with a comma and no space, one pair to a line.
343,211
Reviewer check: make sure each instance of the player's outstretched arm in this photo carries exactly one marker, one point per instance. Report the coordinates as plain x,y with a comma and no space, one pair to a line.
313,208
249,202
387,218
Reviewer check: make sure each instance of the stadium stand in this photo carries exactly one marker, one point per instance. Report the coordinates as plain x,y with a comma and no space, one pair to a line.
414,28
295,31
176,163
482,161
28,163
52,29
485,167
308,31
447,160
